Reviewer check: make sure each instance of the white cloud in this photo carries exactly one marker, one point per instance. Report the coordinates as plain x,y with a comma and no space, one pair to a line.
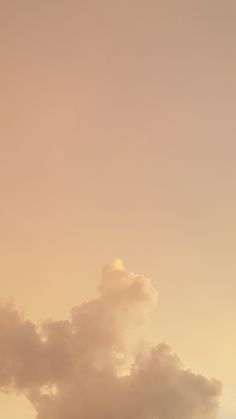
93,365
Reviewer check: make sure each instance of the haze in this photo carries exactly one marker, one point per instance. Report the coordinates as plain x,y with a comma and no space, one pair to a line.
117,130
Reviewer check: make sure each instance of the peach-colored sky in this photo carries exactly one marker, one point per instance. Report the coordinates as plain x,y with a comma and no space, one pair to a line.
118,139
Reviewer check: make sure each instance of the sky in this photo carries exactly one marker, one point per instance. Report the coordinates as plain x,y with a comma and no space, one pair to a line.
117,141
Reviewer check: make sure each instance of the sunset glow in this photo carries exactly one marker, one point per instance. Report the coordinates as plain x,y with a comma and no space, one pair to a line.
117,183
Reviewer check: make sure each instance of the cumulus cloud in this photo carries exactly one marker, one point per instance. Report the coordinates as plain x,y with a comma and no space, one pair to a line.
95,366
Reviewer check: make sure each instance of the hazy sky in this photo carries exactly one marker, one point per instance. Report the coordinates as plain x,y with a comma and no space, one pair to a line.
117,130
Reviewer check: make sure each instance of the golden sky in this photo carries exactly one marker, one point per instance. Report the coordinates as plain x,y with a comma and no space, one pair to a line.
117,132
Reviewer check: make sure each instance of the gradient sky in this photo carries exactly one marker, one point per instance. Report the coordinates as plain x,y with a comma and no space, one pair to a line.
117,130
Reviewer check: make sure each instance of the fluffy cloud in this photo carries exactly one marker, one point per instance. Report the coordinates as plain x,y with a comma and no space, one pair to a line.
94,366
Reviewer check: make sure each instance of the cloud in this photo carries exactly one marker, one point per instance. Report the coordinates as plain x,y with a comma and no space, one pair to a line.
95,366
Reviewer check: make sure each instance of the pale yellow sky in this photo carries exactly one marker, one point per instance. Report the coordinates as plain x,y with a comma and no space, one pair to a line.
117,130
